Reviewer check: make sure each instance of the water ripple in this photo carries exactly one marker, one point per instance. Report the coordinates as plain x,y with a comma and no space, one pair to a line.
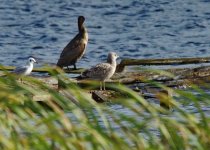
136,29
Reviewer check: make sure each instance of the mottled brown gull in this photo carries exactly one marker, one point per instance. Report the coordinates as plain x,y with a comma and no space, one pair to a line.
103,71
75,49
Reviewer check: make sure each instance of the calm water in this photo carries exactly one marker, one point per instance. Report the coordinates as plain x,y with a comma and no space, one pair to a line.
132,28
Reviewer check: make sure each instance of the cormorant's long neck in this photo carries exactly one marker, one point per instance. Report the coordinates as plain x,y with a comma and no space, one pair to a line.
82,28
83,31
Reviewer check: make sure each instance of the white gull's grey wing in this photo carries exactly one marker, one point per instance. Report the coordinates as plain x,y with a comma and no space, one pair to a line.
25,70
20,70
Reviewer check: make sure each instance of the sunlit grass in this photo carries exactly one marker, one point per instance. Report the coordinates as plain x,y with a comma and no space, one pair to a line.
70,119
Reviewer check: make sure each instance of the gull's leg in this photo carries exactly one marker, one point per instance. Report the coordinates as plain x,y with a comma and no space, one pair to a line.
75,67
104,86
101,84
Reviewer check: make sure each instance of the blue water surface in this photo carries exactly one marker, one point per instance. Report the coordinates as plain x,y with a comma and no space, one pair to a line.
132,28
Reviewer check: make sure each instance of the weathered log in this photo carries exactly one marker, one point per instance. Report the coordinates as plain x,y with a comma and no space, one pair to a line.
163,96
128,62
107,95
98,97
181,77
184,77
140,81
164,61
45,69
161,75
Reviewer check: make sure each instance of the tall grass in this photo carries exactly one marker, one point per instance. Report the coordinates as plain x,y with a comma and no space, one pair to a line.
70,119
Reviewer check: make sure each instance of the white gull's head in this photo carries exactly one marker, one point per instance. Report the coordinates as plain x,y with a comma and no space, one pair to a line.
32,60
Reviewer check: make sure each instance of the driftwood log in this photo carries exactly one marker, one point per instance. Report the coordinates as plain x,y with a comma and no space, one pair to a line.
164,61
129,62
44,69
138,80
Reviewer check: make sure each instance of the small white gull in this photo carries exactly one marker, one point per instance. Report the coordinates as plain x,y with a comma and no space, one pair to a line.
25,70
102,71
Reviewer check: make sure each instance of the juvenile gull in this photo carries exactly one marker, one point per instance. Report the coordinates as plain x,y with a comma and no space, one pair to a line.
103,71
75,49
25,70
